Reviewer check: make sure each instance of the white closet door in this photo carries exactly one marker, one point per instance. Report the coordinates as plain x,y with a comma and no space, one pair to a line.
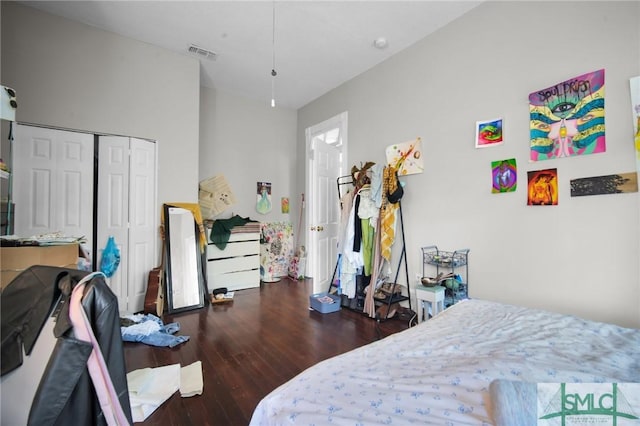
53,182
113,209
127,211
144,216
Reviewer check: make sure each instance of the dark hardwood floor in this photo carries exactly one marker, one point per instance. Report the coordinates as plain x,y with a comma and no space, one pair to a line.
249,347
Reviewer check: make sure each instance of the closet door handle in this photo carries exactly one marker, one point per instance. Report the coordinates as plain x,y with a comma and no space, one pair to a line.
320,228
313,228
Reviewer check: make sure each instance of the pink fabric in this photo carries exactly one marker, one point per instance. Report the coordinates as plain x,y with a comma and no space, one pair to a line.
109,402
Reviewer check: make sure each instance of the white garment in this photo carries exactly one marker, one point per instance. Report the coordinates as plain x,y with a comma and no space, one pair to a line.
191,380
346,202
367,208
150,387
353,257
376,184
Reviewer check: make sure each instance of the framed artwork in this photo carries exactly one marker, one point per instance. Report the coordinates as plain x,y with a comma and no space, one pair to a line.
567,119
489,133
406,157
542,188
504,176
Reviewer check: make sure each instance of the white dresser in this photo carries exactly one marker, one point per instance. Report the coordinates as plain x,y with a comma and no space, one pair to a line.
237,266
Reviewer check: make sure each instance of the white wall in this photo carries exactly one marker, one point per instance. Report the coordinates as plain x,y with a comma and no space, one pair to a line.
580,257
247,141
73,76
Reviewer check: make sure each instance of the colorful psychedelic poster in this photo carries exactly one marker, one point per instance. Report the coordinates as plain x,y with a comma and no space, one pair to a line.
489,133
567,119
406,157
504,176
263,198
542,189
635,106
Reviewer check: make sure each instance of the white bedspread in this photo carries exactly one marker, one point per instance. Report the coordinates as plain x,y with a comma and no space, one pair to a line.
440,371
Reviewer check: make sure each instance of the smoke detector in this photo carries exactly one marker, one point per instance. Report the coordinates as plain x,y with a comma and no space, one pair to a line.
205,53
380,43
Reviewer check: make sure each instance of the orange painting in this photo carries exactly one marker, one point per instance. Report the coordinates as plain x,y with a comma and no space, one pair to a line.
542,188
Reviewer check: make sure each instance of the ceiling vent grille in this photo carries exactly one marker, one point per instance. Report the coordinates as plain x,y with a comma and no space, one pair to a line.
208,54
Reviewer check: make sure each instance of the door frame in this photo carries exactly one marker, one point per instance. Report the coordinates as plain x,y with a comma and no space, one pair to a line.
339,120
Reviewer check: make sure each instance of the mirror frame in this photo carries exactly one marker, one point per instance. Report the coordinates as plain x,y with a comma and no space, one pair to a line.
173,282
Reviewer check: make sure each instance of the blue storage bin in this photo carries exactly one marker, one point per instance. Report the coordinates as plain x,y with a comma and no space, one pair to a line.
319,302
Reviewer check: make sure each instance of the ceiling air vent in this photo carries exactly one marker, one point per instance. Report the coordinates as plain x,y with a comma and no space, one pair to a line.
208,54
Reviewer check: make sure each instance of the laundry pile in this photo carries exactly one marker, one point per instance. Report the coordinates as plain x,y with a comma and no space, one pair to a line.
149,329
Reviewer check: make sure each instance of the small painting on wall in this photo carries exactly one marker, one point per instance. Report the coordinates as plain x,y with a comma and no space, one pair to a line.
263,198
406,157
567,119
610,184
489,133
504,176
284,205
542,187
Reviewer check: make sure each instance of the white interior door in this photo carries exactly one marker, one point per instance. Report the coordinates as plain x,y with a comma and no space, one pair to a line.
126,211
53,182
143,218
326,144
113,209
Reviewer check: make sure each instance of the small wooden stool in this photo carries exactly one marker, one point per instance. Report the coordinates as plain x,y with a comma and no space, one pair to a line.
433,295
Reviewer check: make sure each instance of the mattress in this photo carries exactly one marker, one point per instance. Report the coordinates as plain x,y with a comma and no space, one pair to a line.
440,371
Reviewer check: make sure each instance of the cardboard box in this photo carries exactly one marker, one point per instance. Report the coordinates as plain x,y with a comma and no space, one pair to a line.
322,303
14,260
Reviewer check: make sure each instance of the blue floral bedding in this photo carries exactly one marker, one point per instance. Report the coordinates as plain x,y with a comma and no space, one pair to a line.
439,372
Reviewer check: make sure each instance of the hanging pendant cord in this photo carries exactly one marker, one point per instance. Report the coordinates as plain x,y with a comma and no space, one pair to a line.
273,49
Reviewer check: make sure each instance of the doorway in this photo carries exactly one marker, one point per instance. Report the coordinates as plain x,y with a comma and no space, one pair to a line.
326,145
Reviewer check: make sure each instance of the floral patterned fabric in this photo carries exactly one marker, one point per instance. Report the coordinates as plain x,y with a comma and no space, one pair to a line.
439,371
276,250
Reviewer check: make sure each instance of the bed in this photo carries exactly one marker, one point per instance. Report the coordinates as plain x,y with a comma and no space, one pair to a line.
441,371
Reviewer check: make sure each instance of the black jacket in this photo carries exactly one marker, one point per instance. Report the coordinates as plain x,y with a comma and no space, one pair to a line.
65,394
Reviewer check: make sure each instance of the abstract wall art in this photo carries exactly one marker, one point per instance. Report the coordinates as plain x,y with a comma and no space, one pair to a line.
489,133
609,184
567,119
406,157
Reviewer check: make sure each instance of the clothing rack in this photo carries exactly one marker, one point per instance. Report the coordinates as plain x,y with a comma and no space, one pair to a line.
393,298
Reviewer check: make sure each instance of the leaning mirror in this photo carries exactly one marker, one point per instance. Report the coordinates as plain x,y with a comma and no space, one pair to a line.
183,272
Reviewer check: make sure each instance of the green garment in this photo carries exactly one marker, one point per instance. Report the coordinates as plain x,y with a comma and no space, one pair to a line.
221,229
367,245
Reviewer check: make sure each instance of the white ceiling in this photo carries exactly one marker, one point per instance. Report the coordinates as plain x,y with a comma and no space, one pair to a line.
318,44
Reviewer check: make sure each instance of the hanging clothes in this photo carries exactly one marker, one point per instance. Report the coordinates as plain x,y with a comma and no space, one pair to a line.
351,261
369,302
388,214
368,214
376,185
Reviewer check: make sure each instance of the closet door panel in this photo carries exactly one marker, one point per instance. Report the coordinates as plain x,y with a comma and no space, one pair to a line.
113,208
53,182
143,218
